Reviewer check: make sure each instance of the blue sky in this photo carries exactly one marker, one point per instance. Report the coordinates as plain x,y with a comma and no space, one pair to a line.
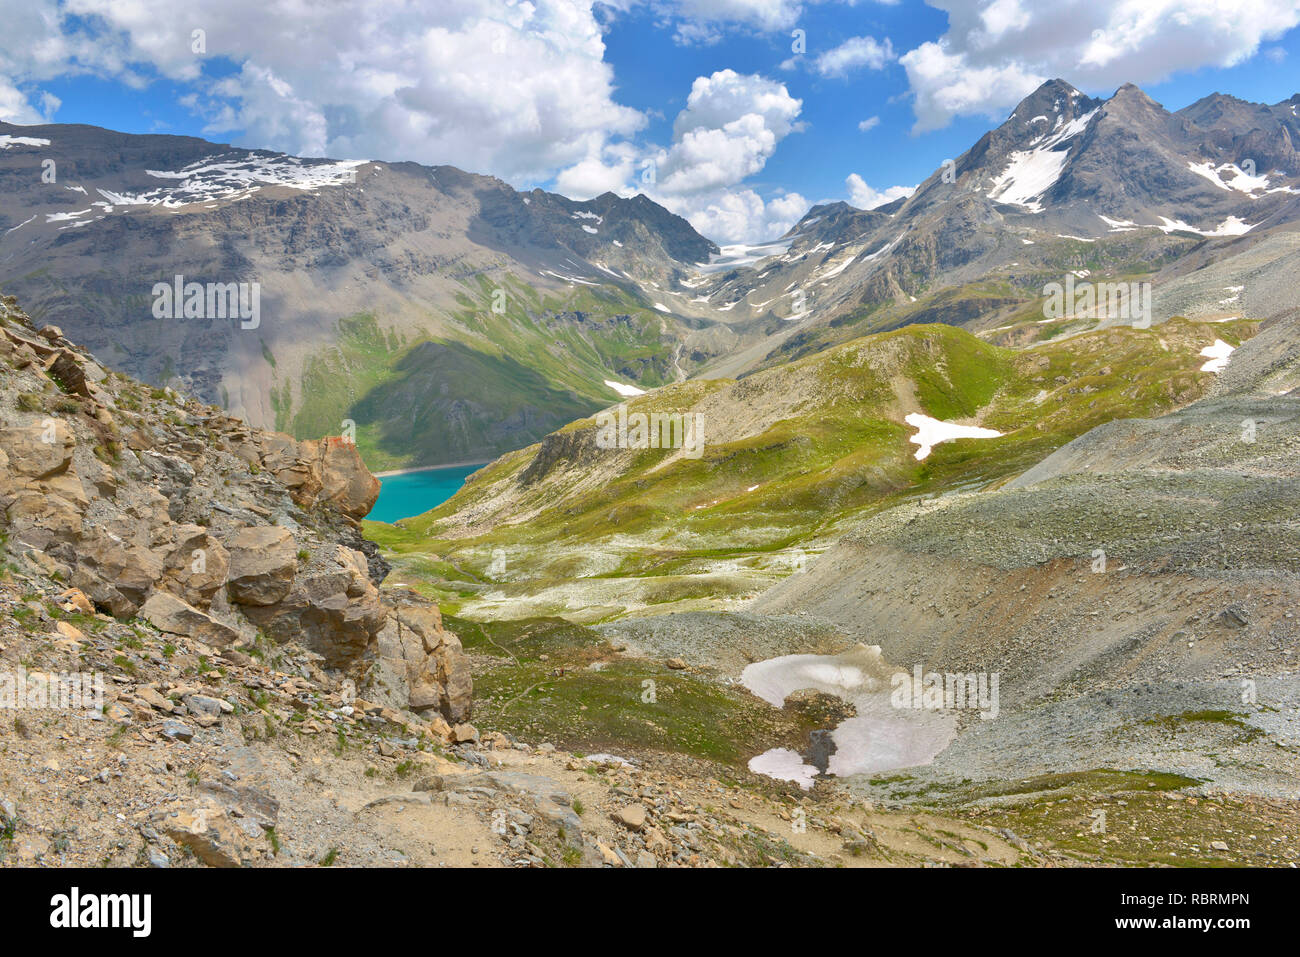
742,133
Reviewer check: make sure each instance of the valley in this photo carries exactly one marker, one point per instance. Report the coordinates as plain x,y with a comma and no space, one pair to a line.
888,542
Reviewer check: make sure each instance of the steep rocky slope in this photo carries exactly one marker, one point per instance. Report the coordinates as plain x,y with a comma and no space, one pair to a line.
148,505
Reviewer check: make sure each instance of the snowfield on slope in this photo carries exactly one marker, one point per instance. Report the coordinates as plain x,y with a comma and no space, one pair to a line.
930,432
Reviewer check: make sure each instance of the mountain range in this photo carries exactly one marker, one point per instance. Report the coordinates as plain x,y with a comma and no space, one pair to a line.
453,318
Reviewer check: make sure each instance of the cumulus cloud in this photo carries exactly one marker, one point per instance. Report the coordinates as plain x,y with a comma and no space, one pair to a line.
853,54
516,89
997,51
730,127
865,197
870,123
740,215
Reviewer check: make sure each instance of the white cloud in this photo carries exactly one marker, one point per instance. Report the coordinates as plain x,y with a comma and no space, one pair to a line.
729,129
853,54
865,197
516,89
997,51
870,123
740,215
946,85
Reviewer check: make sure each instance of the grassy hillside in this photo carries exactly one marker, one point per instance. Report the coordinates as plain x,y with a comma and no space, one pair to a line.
793,454
503,379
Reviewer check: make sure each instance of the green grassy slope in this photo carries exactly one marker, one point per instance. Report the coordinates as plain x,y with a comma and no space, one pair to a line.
835,447
501,378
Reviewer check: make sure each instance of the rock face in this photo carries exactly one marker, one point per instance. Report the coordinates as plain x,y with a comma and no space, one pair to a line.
263,562
414,653
155,506
168,613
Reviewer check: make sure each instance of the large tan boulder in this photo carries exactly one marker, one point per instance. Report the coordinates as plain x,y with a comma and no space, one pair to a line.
333,609
452,672
263,562
211,831
116,575
41,519
67,485
418,664
195,565
168,613
345,481
38,451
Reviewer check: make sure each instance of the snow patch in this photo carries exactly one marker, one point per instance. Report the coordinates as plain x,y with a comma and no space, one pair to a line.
9,142
1218,355
623,388
1232,226
1237,179
1031,173
930,432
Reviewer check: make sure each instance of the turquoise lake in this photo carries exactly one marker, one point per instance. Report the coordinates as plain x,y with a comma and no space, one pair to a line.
403,496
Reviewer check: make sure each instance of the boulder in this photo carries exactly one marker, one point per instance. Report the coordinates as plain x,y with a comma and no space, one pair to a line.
41,519
210,831
168,613
195,565
40,451
345,481
334,610
262,564
417,664
114,574
65,368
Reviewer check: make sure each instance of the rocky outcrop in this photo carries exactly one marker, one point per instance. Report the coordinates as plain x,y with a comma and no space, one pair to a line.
415,657
153,506
263,562
168,613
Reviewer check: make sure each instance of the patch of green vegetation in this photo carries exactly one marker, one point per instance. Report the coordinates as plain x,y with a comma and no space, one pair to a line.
841,453
549,679
1100,780
1178,722
521,357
